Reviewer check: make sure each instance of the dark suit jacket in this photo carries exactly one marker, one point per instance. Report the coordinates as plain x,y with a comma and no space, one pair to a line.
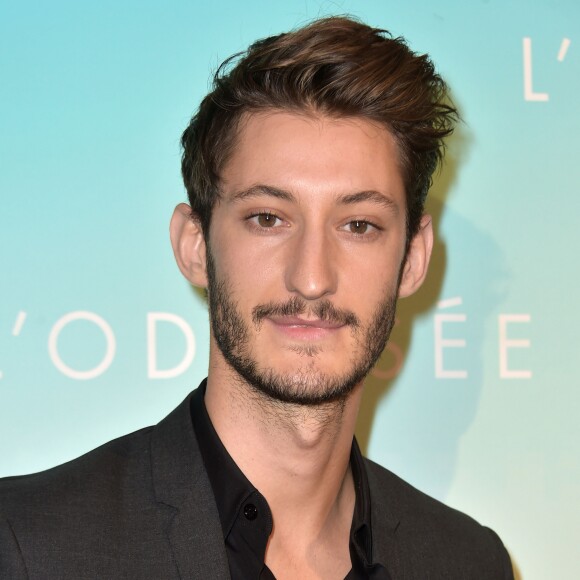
141,506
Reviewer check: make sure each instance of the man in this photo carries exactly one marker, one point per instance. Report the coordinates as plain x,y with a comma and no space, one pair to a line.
307,168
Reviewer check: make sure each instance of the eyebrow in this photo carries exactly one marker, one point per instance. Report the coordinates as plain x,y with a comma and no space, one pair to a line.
372,196
262,190
347,199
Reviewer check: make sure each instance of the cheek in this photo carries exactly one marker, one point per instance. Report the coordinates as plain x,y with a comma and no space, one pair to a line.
251,277
374,268
371,284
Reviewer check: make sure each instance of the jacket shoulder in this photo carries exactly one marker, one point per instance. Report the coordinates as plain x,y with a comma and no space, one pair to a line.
88,475
408,500
79,497
87,518
430,535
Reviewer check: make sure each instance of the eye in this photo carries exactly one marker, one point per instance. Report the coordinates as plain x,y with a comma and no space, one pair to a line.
265,220
360,227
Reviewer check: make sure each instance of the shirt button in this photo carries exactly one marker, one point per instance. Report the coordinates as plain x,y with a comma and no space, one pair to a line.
250,511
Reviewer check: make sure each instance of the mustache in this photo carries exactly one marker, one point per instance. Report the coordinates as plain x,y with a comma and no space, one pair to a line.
295,306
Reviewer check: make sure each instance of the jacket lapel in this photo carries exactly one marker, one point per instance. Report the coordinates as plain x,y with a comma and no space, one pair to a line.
385,521
182,487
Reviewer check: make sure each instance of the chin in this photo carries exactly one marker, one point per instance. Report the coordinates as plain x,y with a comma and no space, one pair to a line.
306,386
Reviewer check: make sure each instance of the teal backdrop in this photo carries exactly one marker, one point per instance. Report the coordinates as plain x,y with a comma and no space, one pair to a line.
476,399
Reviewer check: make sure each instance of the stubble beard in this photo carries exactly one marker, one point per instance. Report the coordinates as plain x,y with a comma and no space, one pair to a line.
307,385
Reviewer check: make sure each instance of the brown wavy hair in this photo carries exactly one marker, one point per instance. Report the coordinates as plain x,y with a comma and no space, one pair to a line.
334,66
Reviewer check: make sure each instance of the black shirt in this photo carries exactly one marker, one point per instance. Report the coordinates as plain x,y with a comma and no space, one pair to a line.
246,518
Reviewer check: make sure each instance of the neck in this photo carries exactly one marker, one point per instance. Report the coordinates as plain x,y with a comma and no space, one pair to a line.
294,455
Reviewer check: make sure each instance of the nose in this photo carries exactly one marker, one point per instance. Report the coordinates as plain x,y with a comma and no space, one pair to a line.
311,270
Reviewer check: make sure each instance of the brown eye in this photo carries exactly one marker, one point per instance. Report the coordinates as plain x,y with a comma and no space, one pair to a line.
358,227
266,220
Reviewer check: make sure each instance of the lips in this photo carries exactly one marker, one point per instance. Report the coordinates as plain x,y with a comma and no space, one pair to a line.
295,321
304,330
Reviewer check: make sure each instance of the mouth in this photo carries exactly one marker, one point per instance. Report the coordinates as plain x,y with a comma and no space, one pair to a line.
305,328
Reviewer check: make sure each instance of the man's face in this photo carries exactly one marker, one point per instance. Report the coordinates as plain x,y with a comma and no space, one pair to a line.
305,253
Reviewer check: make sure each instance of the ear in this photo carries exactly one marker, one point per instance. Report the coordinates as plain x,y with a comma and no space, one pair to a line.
188,245
417,261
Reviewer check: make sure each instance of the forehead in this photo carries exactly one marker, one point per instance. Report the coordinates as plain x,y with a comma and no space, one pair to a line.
313,155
